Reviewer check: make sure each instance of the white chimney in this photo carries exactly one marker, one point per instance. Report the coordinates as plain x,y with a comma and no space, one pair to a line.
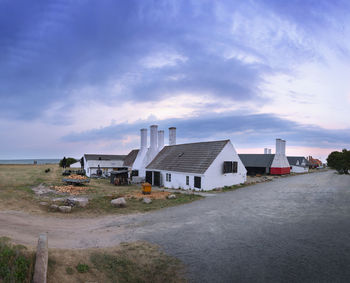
283,147
269,151
172,136
143,139
160,140
278,146
265,150
154,137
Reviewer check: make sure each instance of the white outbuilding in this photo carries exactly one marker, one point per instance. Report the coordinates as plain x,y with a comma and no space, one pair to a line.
198,166
298,164
105,162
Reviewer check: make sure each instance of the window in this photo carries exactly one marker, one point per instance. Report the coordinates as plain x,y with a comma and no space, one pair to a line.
227,167
230,167
168,177
197,182
187,180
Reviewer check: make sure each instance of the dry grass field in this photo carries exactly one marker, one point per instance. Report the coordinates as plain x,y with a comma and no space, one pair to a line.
17,181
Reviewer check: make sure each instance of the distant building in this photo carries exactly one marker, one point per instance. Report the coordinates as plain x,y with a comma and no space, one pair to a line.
198,166
105,162
267,163
75,165
298,164
314,162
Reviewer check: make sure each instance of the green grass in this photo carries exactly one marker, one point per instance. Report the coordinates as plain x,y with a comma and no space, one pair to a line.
82,268
16,264
138,263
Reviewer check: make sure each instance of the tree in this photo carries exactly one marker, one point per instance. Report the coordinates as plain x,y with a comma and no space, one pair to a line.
66,162
339,161
82,162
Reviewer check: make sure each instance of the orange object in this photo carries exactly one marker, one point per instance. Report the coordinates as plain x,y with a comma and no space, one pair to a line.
146,188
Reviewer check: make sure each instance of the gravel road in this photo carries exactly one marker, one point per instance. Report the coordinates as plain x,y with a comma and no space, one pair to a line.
294,229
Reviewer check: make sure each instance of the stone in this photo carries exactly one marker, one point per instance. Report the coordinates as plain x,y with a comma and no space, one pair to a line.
147,200
79,202
65,209
58,199
54,207
172,196
43,204
118,202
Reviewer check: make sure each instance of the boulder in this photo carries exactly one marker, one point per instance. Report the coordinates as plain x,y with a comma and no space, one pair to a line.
65,209
147,200
172,196
79,202
53,207
118,202
43,204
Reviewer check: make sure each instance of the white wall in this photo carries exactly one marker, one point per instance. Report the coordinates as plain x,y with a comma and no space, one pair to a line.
91,166
178,180
214,177
299,169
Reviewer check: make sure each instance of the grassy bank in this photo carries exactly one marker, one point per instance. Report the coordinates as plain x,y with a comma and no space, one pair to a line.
128,262
16,262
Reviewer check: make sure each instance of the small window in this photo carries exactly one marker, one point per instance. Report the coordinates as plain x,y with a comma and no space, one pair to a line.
187,180
197,182
168,177
227,167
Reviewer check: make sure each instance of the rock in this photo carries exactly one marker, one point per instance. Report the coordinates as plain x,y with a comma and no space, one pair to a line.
58,199
147,200
53,207
118,202
172,196
65,209
43,204
79,202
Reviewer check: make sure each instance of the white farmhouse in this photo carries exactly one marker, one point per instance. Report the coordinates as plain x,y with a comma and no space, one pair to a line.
106,162
298,164
198,166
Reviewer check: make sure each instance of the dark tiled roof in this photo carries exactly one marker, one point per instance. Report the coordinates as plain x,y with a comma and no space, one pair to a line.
104,157
257,160
293,160
188,158
130,158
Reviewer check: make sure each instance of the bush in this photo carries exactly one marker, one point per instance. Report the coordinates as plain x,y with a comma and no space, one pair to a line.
82,268
339,161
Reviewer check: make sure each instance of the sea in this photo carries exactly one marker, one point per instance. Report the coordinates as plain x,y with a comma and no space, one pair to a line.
30,161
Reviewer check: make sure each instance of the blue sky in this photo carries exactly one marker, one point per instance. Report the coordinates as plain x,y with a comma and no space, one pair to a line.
84,76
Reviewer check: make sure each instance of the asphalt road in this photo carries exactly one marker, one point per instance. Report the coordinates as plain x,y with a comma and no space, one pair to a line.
294,229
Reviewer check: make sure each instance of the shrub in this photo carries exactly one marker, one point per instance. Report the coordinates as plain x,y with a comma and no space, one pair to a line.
82,268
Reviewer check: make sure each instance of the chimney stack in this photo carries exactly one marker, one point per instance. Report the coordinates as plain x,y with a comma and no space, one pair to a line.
154,137
265,150
172,136
143,139
269,151
160,140
278,146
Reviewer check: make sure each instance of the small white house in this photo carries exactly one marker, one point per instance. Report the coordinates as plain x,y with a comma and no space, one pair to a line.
298,164
75,165
106,163
198,166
